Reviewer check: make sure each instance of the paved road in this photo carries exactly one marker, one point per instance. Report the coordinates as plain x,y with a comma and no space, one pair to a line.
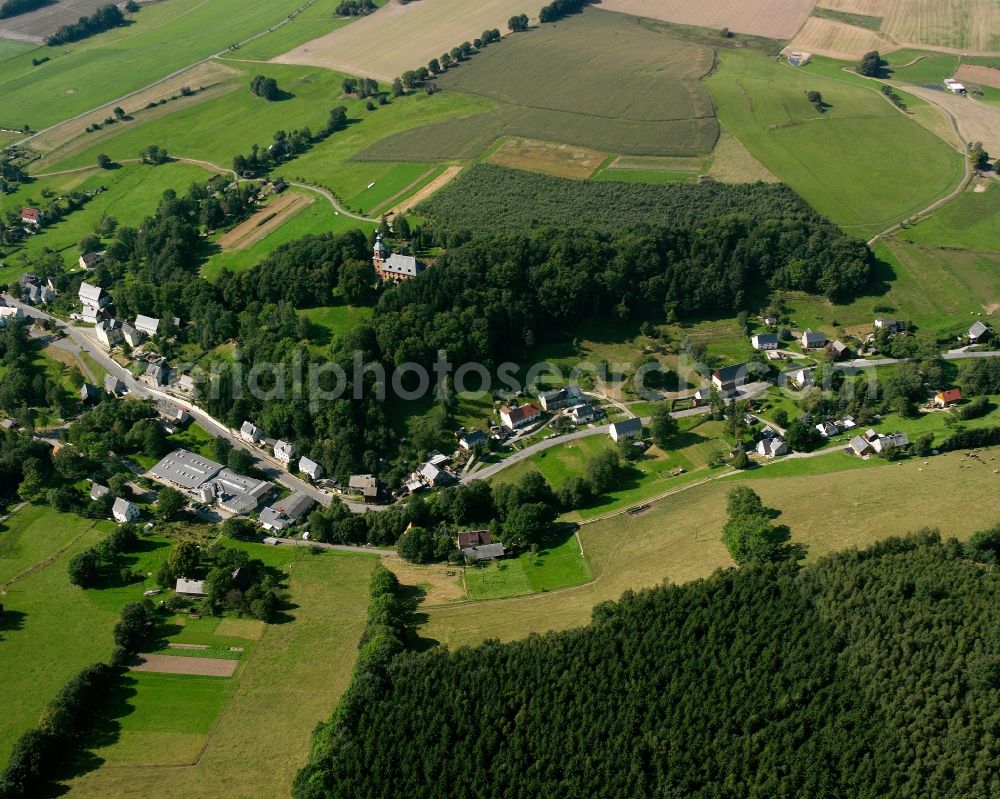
267,465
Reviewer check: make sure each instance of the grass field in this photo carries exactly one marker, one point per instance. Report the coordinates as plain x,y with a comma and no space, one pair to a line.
969,222
407,36
901,169
299,666
90,73
679,540
328,322
645,98
51,629
921,66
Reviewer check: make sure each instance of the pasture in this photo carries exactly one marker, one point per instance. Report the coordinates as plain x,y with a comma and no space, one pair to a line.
399,37
165,37
969,222
645,97
901,169
679,538
558,563
299,666
776,19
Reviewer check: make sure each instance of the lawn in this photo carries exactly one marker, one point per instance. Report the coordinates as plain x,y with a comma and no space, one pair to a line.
328,322
901,169
51,629
299,666
611,85
679,539
969,221
164,37
133,192
557,564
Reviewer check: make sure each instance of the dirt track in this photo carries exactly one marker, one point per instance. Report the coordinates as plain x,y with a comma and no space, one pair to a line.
248,233
427,191
178,664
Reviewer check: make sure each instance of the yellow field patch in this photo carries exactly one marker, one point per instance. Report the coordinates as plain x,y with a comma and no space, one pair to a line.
978,76
969,25
265,221
399,37
777,19
870,8
550,158
442,584
838,40
733,163
71,136
660,163
241,628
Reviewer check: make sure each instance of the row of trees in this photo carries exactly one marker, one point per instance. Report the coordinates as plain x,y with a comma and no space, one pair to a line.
558,9
11,8
677,681
103,19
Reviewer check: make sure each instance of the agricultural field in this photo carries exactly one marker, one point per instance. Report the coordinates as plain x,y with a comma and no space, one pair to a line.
549,158
133,192
165,37
977,121
968,25
864,190
776,19
399,37
837,39
678,539
977,75
265,221
647,97
299,666
315,21
36,25
968,222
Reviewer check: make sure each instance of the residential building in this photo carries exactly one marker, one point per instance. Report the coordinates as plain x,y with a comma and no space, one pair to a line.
113,385
892,325
435,476
97,490
582,414
32,216
91,260
286,512
186,384
860,446
109,333
192,589
729,378
827,429
147,325
89,393
157,373
310,468
471,439
812,340
560,398
764,341
9,313
840,350
367,485
250,433
627,428
131,336
283,451
513,418
889,441
479,545
93,296
978,333
772,447
803,378
90,314
124,511
945,398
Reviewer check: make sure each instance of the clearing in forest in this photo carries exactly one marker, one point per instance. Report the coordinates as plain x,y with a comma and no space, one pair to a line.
399,37
265,221
777,19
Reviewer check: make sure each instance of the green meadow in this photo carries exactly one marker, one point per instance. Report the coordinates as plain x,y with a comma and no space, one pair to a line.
970,221
862,163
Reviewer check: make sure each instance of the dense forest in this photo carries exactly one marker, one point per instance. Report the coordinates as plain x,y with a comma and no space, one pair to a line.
867,674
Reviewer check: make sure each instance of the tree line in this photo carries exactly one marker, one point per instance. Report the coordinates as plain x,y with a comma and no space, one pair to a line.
769,680
103,19
11,8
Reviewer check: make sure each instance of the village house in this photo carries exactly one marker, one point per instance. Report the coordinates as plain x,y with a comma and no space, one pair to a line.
310,468
729,378
109,333
191,589
132,336
250,433
32,216
91,260
582,414
93,296
283,451
827,429
435,476
97,490
9,313
470,440
91,315
772,447
113,385
812,340
185,383
367,485
89,394
892,325
949,397
803,378
147,325
514,418
479,545
286,512
172,417
124,511
560,398
394,267
625,429
764,341
978,333
157,373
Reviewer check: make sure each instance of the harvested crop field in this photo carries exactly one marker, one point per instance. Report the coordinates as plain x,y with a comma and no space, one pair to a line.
978,76
870,8
777,19
71,136
613,86
400,37
36,25
837,40
970,25
550,158
179,664
440,181
264,222
977,121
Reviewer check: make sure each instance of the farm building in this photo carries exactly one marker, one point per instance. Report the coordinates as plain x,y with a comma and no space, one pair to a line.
954,86
840,350
286,512
193,589
627,428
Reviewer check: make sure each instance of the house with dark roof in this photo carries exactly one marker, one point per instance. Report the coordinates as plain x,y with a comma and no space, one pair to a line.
812,340
469,440
764,341
113,385
729,378
285,512
89,393
394,267
283,451
626,428
250,433
479,545
560,398
91,260
978,333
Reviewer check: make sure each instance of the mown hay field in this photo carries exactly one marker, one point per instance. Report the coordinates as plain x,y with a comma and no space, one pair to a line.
838,40
970,25
612,86
777,19
400,37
